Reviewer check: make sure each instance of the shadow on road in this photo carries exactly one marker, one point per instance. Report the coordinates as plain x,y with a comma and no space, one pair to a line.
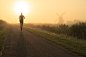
21,47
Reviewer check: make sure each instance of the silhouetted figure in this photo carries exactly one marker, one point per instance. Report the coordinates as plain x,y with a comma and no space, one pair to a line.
21,18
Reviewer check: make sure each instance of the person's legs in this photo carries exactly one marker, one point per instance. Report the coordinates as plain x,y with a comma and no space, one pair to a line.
21,23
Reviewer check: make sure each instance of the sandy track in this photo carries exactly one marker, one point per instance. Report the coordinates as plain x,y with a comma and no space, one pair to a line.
26,44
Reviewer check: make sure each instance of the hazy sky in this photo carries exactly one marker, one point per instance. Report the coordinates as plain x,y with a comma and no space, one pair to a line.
44,11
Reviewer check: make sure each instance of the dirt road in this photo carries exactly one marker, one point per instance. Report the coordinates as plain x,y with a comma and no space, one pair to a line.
26,44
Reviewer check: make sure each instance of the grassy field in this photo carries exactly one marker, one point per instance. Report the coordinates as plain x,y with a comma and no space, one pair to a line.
71,43
76,30
4,27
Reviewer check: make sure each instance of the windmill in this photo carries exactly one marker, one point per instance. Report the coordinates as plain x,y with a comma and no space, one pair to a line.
60,19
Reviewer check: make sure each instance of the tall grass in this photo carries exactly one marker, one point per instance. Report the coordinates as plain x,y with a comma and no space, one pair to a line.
76,30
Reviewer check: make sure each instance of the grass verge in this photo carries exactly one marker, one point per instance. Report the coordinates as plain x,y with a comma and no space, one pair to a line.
3,33
73,44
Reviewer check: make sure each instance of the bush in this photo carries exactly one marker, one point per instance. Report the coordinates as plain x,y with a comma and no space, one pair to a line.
77,30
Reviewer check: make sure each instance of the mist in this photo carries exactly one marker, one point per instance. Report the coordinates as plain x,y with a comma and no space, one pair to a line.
45,11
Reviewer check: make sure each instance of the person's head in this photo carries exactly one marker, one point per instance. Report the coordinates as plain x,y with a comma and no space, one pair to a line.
21,13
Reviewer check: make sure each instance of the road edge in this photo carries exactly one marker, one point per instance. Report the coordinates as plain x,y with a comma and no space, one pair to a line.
4,42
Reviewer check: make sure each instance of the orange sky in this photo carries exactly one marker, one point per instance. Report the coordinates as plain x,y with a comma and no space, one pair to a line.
44,11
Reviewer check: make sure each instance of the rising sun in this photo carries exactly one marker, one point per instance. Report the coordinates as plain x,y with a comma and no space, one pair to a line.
21,6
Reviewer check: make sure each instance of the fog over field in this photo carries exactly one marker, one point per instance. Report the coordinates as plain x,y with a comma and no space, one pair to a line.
44,11
61,22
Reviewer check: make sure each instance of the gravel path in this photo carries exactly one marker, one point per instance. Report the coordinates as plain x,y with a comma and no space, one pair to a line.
26,44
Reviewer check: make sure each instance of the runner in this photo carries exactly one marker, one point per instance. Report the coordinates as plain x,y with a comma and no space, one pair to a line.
21,18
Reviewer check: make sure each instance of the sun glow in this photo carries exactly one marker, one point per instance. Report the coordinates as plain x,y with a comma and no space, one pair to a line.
21,6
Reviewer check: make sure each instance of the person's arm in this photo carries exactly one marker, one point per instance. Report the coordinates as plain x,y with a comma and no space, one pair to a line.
24,17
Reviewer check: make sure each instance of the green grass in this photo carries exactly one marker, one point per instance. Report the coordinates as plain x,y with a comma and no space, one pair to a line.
76,30
4,27
73,44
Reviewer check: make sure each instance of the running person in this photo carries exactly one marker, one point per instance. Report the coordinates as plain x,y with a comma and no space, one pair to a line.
21,18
